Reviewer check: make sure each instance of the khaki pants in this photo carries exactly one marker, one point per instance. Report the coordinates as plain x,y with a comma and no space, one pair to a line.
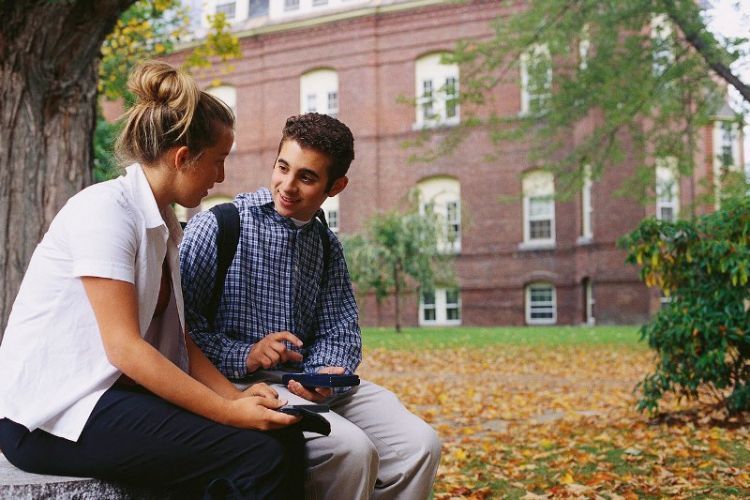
376,449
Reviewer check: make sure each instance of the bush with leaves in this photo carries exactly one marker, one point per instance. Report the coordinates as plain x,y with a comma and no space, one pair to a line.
702,334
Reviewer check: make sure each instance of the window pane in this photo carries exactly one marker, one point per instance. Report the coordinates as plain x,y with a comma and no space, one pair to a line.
451,97
317,3
333,220
666,213
227,9
541,302
333,103
257,8
540,206
452,313
291,4
428,298
451,297
312,103
540,229
428,314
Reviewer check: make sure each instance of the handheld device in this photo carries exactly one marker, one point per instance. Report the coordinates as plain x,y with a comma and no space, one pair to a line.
300,409
311,421
321,379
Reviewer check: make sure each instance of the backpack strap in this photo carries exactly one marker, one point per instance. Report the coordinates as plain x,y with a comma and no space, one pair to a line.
323,228
227,238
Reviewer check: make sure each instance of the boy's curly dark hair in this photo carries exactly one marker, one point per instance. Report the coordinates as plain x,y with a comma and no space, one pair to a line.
325,134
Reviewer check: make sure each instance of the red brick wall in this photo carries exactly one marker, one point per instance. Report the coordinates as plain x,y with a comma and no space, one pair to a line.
374,57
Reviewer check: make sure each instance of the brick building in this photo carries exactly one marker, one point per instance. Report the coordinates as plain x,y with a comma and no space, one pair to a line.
534,260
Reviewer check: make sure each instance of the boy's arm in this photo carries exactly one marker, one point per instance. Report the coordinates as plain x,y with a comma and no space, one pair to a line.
198,256
338,341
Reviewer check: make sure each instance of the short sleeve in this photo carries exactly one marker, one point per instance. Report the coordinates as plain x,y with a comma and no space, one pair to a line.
102,235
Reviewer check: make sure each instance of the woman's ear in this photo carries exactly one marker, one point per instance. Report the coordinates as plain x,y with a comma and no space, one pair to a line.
338,186
181,157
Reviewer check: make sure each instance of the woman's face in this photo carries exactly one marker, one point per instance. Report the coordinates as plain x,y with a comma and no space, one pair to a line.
196,179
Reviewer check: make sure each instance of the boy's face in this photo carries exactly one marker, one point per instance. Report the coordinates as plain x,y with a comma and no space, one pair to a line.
299,181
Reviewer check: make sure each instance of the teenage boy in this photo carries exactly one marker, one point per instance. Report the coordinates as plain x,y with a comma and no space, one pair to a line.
288,303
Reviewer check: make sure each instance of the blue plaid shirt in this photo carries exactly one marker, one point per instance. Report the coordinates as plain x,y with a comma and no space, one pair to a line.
273,284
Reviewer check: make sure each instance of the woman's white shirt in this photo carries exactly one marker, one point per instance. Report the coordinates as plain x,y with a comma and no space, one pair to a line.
53,367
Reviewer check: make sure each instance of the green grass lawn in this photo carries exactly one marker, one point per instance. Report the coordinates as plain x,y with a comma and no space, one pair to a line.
477,337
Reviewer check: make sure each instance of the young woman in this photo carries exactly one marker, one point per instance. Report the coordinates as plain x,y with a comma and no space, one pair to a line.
97,376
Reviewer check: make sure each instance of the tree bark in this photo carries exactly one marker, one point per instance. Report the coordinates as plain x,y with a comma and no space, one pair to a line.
397,297
49,55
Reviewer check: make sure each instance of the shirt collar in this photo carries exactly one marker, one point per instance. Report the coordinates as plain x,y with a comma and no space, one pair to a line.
144,196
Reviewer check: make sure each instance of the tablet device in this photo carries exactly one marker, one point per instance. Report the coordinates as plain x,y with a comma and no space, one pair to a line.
300,409
321,379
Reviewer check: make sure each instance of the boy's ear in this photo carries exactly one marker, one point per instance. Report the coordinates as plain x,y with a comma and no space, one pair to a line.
181,157
338,186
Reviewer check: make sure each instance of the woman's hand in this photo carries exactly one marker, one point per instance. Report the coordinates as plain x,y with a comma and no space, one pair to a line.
260,389
258,412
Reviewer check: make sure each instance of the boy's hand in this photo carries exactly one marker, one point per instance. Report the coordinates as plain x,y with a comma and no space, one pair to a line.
319,394
272,350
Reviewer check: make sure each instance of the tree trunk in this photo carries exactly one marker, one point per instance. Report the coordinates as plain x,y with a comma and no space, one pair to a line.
49,55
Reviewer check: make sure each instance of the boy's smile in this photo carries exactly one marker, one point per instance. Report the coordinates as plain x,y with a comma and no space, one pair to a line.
299,181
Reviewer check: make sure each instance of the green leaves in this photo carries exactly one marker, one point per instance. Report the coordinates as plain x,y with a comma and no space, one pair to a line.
701,335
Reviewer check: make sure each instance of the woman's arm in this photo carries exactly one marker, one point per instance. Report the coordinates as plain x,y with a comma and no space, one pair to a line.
115,306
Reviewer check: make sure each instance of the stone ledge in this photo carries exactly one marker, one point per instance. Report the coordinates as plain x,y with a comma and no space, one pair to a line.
16,484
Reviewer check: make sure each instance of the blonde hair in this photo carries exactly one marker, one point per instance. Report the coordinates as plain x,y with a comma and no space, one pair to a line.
169,111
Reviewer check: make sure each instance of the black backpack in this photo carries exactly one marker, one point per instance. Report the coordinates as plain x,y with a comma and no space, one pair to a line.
227,238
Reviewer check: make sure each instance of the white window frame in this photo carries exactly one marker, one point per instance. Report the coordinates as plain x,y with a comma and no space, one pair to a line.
548,306
538,186
444,195
667,188
539,53
440,308
316,88
332,211
437,88
587,232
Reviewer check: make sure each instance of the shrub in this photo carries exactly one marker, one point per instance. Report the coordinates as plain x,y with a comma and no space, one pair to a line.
702,335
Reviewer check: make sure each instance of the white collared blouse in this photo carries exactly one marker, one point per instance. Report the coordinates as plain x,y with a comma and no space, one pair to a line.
53,367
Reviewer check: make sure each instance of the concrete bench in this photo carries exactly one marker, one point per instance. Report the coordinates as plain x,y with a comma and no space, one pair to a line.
16,484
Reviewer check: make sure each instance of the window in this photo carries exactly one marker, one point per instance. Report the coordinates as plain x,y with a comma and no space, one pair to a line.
586,207
228,95
661,43
437,92
536,80
331,210
318,3
588,302
539,208
257,8
440,307
726,152
227,8
541,304
444,195
291,5
667,189
319,92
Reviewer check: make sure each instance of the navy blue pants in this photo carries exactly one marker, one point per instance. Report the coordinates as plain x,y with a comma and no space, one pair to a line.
135,437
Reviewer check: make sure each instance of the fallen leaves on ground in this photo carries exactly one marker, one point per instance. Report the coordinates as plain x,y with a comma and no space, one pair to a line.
541,422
